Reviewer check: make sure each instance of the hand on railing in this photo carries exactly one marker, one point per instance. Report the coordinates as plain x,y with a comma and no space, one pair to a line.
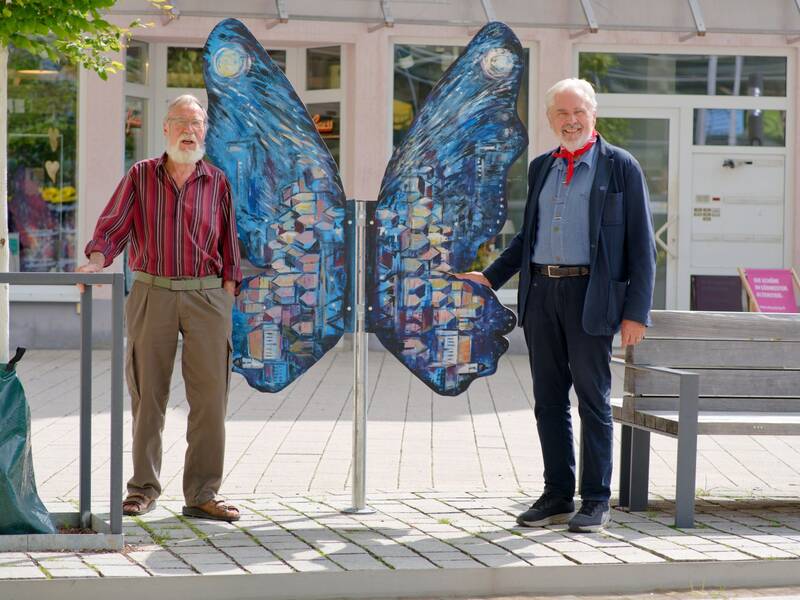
95,265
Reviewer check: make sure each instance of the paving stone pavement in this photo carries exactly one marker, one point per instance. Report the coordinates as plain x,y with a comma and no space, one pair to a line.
297,533
445,475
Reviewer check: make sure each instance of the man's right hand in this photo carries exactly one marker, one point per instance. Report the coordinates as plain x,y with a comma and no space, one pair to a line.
476,277
95,265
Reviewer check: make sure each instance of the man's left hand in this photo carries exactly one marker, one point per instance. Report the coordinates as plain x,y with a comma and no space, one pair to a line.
632,332
230,287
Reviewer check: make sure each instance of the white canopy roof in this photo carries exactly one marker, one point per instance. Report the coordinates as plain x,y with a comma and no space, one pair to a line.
713,16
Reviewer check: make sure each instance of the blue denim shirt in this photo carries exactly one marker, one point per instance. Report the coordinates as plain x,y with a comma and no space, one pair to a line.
562,236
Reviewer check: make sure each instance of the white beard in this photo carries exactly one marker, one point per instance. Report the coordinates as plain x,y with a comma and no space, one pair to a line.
572,146
185,157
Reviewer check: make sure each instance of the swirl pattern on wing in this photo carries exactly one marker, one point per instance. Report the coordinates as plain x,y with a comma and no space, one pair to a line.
443,195
289,212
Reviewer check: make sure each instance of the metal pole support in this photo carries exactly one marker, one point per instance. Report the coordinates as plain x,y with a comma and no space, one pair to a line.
360,346
85,477
117,358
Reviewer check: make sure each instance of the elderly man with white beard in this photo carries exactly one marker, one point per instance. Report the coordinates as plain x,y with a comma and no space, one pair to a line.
586,260
176,213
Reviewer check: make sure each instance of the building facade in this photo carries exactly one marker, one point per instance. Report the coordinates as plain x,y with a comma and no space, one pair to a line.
703,93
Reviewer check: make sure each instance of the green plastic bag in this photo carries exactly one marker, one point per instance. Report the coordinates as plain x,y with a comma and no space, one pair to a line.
21,509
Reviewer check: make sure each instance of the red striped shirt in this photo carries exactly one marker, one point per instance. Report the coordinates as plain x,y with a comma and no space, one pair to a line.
188,232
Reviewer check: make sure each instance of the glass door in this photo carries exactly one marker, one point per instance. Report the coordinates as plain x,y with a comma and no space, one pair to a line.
651,135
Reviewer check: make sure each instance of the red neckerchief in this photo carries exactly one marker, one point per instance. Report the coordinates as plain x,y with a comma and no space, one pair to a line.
571,156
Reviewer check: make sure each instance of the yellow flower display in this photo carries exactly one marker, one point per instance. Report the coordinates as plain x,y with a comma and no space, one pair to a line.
59,195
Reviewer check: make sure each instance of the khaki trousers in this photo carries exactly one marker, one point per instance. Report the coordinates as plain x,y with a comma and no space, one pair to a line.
155,316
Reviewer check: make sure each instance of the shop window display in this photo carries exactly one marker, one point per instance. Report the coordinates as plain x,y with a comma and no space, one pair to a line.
42,106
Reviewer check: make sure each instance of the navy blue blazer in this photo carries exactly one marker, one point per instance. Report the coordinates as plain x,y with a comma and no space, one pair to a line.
621,243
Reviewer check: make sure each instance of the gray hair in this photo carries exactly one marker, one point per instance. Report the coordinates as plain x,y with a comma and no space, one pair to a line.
579,86
184,100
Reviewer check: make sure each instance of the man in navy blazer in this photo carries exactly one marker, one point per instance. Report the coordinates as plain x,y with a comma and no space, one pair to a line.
586,260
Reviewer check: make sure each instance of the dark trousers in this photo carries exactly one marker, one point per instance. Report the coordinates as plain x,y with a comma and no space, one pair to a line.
562,354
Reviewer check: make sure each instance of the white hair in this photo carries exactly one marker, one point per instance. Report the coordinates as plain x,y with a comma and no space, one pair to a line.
184,100
579,86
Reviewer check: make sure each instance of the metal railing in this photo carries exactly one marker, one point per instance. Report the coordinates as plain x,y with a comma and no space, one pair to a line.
116,281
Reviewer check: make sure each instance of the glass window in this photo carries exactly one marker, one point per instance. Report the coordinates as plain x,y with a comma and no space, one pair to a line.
135,130
279,57
326,116
734,127
137,63
42,106
323,68
185,66
417,69
706,75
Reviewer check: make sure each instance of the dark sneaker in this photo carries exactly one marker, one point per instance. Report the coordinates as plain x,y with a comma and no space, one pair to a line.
547,510
592,517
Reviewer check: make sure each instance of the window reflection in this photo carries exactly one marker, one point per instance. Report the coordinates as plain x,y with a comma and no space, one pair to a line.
696,74
733,127
42,106
137,63
135,130
323,68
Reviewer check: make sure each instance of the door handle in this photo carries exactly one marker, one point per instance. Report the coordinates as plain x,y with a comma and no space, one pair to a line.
661,243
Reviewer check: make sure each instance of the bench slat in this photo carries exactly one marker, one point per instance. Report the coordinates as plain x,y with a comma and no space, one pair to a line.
717,382
731,326
717,423
748,404
689,354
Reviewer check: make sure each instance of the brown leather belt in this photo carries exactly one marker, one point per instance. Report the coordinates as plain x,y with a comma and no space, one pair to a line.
557,271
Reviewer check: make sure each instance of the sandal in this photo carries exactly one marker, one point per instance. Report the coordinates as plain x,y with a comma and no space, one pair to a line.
216,510
141,505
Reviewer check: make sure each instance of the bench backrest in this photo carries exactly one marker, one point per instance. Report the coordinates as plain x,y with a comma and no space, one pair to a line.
746,361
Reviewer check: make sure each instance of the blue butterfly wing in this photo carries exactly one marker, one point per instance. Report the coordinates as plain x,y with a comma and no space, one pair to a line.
290,211
442,196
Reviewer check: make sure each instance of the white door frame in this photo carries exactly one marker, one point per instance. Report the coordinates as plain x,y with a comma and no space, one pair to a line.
671,236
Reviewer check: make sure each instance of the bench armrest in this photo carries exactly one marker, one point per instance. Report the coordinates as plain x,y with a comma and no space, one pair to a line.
667,370
688,403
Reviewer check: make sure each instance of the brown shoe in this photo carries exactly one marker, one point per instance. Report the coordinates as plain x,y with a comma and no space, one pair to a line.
136,505
216,510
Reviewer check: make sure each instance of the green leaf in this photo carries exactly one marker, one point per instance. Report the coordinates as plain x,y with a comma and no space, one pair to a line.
68,30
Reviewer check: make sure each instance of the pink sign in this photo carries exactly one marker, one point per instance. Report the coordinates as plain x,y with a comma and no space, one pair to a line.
773,289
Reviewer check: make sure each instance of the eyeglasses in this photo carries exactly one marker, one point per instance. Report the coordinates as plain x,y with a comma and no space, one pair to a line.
194,124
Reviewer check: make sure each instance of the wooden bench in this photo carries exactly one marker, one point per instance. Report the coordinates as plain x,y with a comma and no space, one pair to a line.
701,373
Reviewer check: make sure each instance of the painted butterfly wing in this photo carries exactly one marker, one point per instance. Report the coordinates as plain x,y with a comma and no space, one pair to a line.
442,196
290,211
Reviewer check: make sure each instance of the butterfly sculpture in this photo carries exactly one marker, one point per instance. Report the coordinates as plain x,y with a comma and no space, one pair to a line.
442,196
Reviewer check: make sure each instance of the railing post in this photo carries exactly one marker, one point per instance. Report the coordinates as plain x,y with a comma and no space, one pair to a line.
85,456
117,337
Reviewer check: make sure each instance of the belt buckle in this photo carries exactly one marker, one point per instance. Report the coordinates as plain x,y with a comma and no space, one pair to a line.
551,272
